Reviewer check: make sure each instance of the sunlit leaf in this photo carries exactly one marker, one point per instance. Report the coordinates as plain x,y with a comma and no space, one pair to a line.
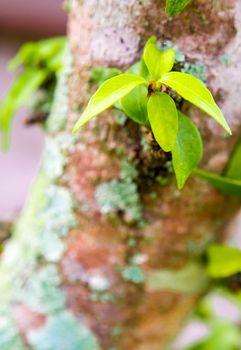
223,261
158,62
109,93
174,7
194,91
187,151
135,105
234,167
19,94
163,117
224,184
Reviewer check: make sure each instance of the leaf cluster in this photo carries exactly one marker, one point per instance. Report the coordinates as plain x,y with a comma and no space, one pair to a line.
143,94
40,61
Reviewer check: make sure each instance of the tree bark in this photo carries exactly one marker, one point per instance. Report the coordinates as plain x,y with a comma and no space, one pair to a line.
109,279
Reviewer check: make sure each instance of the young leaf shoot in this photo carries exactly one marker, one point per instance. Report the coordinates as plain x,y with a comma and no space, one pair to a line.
108,94
163,117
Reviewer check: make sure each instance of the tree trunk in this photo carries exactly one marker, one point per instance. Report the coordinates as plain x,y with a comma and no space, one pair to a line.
104,255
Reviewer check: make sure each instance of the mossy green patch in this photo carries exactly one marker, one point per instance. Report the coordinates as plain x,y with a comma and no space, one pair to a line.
133,273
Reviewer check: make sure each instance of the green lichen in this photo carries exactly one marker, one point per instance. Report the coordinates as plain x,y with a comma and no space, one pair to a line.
120,196
42,293
133,273
117,196
104,297
53,159
59,109
9,335
28,269
199,70
120,117
179,55
128,171
225,59
63,332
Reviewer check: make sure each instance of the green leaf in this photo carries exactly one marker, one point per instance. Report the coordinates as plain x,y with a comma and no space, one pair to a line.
163,117
174,7
190,279
109,93
140,68
134,105
188,150
100,74
47,51
194,91
223,261
222,335
234,168
19,94
158,62
224,184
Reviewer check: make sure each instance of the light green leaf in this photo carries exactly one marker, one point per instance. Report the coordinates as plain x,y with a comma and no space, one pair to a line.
158,62
194,91
174,7
187,151
163,117
134,105
190,279
224,261
224,184
109,93
234,167
222,335
18,96
140,68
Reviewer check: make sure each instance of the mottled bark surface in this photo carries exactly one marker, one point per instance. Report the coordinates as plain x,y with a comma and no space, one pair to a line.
107,260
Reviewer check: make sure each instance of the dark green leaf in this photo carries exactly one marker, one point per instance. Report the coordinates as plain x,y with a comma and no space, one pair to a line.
108,94
223,261
224,184
174,7
187,151
194,91
135,105
163,117
158,62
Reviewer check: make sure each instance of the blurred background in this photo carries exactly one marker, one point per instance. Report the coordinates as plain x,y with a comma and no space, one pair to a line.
22,21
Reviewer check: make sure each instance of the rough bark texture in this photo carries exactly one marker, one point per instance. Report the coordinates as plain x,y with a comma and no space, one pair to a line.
105,262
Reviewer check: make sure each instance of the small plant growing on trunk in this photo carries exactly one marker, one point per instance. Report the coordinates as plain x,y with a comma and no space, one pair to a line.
143,95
